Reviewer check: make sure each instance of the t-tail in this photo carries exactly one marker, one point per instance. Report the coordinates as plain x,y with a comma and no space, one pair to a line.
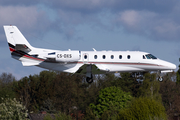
20,48
16,41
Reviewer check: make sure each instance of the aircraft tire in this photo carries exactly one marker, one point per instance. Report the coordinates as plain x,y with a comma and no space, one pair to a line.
160,79
89,80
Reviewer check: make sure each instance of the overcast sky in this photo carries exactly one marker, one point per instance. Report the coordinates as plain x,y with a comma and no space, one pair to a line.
142,25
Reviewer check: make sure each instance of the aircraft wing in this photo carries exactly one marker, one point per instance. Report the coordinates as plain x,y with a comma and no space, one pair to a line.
95,69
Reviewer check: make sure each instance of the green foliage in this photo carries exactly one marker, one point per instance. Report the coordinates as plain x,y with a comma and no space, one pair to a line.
143,109
110,98
59,116
11,109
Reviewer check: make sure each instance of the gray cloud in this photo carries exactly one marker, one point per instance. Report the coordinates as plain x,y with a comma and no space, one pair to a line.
18,2
29,19
151,24
158,20
91,6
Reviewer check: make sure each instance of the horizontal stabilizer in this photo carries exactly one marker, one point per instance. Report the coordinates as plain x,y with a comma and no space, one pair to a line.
22,47
30,63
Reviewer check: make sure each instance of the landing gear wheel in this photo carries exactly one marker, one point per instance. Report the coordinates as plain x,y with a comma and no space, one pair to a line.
89,79
160,79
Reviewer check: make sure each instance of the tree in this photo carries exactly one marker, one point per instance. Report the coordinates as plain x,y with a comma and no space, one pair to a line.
128,83
150,87
170,92
178,76
69,92
22,88
36,89
110,98
143,108
6,85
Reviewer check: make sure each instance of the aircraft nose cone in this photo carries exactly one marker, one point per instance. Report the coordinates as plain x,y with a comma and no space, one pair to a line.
170,66
167,65
173,66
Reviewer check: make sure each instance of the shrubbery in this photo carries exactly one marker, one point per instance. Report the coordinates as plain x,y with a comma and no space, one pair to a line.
11,109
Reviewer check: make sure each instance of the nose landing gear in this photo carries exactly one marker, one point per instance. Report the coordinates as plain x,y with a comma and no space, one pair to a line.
160,78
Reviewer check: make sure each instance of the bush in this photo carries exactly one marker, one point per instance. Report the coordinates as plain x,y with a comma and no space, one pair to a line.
11,109
143,109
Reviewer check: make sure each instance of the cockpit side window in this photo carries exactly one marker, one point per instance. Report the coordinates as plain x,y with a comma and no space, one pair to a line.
147,56
150,56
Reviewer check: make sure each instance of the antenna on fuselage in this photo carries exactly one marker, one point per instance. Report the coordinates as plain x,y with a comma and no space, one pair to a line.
94,49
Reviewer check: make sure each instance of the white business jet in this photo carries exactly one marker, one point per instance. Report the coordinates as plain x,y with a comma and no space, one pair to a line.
84,62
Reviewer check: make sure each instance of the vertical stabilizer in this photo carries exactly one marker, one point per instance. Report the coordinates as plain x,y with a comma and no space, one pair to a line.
16,39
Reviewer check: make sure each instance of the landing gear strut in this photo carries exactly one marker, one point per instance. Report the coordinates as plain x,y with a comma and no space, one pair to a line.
89,79
89,76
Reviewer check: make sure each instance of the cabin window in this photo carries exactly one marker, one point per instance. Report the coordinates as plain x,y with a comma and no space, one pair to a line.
128,57
104,57
85,56
144,57
120,56
112,56
95,56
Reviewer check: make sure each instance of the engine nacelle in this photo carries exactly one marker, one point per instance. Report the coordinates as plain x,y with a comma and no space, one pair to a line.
67,56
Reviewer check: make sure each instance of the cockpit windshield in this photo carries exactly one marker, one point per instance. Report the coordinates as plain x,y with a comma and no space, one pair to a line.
150,56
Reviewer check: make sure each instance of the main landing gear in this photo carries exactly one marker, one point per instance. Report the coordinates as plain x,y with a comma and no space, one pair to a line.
89,79
160,77
89,76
